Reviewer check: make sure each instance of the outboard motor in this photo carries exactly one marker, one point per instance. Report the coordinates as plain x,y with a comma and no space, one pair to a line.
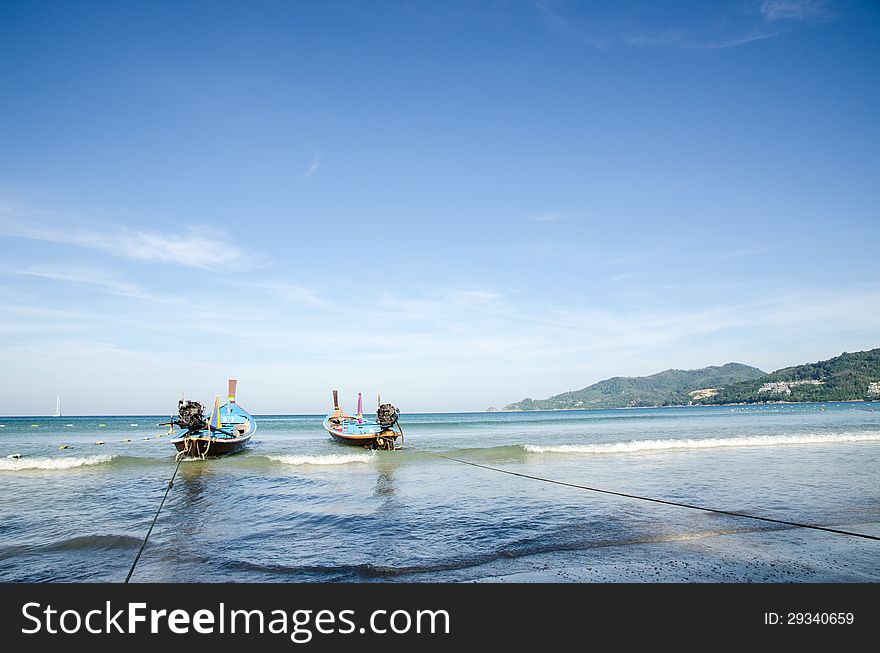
191,415
387,415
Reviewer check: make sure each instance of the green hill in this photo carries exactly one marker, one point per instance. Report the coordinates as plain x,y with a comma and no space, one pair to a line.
672,387
848,377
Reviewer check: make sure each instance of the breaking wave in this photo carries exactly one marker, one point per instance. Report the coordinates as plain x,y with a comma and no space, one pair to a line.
67,462
328,459
707,443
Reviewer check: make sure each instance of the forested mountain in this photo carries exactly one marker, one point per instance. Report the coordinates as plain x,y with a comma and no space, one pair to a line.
850,376
672,387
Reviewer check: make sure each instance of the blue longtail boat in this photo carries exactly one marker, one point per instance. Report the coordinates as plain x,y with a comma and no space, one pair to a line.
228,428
355,430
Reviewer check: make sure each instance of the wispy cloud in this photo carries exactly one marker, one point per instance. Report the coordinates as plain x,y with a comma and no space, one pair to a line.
547,216
673,37
195,246
700,40
732,42
473,296
799,10
485,338
314,165
25,321
98,291
100,279
438,307
410,343
747,252
563,23
289,292
713,27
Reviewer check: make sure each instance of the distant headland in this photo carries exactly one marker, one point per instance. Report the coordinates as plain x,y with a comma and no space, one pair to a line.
848,377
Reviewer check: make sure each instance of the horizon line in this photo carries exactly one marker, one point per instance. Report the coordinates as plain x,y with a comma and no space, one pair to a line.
497,410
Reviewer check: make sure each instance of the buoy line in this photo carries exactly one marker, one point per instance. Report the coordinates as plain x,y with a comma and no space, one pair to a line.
652,499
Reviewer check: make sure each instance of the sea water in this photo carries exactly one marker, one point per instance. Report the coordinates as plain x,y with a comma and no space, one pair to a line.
296,506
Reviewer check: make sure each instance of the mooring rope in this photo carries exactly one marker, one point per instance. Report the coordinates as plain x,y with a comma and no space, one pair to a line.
654,500
150,530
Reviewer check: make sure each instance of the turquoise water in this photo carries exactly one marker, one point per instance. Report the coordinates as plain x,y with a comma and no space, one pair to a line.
298,507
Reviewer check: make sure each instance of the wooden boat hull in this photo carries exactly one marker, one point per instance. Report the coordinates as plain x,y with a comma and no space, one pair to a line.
368,442
371,435
204,446
235,421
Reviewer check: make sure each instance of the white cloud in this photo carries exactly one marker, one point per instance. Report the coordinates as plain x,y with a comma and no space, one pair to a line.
113,318
193,246
468,346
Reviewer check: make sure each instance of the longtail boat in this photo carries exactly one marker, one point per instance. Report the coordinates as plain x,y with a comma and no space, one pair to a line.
355,430
228,428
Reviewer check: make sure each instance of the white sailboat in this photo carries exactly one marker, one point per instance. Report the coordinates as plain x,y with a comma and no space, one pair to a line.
57,412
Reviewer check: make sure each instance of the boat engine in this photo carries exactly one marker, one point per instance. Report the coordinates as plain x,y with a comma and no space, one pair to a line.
191,415
387,415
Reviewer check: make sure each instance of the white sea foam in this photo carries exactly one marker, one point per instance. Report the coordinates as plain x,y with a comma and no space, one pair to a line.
636,446
328,459
66,462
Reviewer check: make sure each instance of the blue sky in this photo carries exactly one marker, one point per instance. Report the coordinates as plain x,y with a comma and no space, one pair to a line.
456,204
